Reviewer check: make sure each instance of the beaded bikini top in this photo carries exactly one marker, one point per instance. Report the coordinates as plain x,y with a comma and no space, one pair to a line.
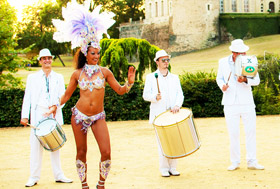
91,77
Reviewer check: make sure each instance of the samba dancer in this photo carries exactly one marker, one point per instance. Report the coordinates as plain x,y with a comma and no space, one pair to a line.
42,93
91,78
238,102
163,90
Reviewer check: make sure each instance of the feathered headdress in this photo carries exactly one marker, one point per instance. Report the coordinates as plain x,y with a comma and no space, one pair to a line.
82,27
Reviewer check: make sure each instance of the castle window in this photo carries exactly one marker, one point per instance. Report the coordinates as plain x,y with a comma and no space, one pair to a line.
156,9
162,8
208,7
246,6
261,7
233,6
221,6
272,6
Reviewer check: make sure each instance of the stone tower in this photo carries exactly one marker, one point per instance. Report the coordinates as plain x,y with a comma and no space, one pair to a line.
181,25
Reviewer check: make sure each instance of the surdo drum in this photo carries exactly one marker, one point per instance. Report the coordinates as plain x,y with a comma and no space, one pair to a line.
50,134
177,133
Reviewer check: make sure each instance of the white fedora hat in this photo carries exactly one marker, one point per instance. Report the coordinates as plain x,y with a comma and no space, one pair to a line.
44,52
161,53
238,45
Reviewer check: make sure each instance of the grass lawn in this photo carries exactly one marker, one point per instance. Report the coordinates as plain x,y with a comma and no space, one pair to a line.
203,60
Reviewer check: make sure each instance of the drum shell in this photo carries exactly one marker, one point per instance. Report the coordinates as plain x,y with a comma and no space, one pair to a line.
179,139
53,136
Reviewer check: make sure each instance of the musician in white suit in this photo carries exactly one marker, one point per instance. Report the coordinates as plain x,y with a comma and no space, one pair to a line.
41,97
170,98
238,102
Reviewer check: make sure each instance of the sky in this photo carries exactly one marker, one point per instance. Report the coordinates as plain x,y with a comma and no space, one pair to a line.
19,5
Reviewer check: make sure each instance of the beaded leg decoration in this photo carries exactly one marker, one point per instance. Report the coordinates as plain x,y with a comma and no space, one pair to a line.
81,170
105,167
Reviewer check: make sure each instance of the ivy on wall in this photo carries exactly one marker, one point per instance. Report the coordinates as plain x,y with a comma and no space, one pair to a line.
241,25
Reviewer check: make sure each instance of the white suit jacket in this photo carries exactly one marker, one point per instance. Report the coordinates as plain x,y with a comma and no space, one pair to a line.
33,92
242,91
173,94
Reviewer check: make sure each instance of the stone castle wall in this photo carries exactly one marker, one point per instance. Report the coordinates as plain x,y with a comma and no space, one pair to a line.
185,25
177,25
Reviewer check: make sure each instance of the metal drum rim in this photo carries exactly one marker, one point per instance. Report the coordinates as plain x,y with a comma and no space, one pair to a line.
175,122
42,122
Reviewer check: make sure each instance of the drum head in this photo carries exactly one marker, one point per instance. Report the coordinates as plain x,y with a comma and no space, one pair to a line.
168,118
45,127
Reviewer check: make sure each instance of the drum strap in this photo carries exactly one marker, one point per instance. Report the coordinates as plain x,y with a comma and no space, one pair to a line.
81,169
105,167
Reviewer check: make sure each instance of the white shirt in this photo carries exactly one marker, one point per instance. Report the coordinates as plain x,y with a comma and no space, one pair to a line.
170,89
35,88
44,101
237,93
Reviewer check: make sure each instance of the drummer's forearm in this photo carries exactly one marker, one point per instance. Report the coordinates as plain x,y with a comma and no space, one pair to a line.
150,98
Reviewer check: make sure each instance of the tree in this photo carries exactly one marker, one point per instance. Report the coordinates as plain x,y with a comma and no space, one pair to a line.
8,55
114,54
37,28
124,9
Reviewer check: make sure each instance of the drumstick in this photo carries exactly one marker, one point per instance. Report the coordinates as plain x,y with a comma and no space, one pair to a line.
156,76
23,123
228,78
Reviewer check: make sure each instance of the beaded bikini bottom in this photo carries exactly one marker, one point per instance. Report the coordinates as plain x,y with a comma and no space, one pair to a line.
85,120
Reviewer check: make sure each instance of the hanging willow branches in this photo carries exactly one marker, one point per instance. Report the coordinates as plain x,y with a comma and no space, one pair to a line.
114,53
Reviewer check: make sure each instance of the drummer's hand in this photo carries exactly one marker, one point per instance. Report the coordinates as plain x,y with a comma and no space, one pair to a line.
52,110
175,109
24,121
158,97
241,79
225,87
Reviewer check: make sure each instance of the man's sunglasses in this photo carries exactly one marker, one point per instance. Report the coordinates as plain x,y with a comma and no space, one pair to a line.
165,60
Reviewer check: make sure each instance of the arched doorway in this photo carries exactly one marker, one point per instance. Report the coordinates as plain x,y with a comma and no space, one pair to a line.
272,7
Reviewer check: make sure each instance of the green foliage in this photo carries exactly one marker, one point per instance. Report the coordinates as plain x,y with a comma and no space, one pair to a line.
10,111
250,24
114,54
8,81
124,10
7,42
267,94
37,28
8,56
130,106
29,29
202,94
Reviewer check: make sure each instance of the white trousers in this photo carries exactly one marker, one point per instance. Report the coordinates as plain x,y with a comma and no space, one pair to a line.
36,154
165,164
248,114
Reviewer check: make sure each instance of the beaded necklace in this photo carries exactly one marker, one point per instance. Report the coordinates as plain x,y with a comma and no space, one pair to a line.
91,70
